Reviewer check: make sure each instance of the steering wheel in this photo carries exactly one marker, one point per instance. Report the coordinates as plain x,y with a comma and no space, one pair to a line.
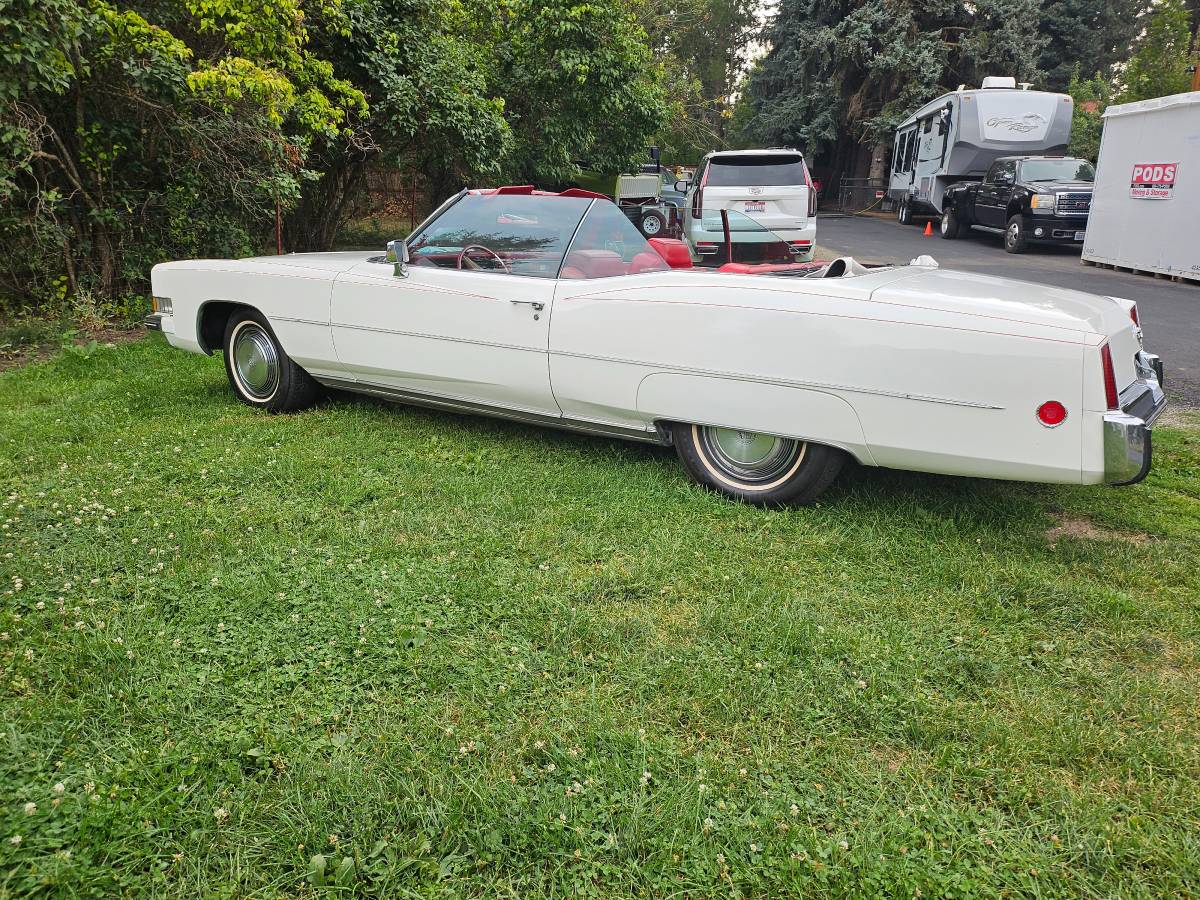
462,257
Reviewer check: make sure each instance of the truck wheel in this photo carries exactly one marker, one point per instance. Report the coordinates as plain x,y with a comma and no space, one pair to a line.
653,223
1014,236
950,225
904,213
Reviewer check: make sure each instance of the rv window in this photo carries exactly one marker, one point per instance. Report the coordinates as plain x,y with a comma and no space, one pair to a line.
909,151
928,126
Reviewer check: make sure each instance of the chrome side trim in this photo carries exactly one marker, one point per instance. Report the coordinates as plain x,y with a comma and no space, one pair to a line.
322,323
440,337
782,382
651,435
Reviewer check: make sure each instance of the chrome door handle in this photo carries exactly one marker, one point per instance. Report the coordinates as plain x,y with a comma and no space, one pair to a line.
536,304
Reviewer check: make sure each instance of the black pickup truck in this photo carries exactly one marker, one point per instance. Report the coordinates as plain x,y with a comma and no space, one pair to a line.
1028,199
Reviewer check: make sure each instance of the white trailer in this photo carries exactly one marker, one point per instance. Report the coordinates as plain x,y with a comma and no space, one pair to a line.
1147,194
957,136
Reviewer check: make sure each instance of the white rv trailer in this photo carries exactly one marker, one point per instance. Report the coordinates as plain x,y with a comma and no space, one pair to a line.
957,136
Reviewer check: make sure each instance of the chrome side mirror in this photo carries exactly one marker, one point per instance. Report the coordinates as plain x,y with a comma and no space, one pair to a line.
397,252
682,185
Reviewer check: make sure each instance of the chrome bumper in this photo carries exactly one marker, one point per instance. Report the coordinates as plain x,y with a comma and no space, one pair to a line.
153,321
1127,446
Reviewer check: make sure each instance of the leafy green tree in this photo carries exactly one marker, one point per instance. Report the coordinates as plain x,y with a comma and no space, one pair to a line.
1160,65
1090,34
579,84
843,73
1091,96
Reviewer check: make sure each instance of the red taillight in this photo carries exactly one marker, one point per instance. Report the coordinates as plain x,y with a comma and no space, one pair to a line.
1110,377
812,192
1133,315
1051,413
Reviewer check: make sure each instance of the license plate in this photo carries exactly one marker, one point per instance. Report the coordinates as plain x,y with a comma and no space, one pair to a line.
1079,235
756,206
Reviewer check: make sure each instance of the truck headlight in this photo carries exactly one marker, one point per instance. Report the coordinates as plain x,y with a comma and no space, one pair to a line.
1042,204
162,305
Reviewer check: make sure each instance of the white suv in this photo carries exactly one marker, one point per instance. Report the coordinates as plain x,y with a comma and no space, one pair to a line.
743,198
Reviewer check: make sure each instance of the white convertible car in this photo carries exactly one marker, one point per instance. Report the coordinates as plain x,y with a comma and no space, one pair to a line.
766,375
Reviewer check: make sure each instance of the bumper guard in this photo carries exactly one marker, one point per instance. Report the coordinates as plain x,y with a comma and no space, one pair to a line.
1127,444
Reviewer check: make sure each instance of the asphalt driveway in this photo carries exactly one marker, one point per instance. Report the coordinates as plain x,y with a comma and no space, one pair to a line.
1170,312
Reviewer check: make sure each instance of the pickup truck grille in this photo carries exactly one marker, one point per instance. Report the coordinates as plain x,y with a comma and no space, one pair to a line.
1073,204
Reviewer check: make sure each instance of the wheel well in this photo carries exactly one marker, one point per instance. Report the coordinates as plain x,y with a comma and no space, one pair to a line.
214,316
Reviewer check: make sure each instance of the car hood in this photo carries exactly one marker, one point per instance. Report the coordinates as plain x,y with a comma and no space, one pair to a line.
329,263
999,299
1048,186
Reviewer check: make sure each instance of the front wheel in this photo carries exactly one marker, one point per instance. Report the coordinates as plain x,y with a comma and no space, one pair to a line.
260,373
756,468
950,225
1014,236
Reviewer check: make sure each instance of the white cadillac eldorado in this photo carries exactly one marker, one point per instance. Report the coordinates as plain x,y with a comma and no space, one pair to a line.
765,375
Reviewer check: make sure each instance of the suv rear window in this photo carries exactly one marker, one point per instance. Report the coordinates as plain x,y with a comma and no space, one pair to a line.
755,171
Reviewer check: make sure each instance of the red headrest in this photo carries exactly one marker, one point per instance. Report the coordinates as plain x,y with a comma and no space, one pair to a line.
673,251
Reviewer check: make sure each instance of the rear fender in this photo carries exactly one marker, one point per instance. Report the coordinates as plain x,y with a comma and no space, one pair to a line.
810,415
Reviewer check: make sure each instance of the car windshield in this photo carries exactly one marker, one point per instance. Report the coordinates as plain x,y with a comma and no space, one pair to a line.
772,169
1057,170
609,244
513,233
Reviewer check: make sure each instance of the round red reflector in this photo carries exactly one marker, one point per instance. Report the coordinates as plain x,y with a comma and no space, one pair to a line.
1051,413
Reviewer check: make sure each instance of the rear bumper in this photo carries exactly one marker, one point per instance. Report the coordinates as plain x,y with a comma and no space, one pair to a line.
1127,439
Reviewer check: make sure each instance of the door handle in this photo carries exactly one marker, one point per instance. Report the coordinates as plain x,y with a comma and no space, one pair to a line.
537,305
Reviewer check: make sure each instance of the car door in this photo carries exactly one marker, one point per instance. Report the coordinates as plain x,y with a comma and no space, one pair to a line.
466,336
992,199
467,321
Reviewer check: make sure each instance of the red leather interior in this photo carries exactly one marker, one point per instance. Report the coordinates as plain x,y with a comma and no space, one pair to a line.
674,252
596,263
646,262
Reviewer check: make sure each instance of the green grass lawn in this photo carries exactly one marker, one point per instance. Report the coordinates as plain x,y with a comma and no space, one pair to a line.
400,652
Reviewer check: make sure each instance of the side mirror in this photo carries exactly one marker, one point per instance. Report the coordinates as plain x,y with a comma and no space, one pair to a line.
397,252
682,186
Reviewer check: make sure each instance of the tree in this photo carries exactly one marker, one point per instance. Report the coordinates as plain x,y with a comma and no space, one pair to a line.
702,46
840,74
1160,65
579,84
1091,96
1089,34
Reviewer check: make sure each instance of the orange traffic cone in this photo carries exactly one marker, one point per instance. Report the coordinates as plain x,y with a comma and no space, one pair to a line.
928,229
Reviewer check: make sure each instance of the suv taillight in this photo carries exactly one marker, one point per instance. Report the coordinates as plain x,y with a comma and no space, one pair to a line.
812,192
1110,378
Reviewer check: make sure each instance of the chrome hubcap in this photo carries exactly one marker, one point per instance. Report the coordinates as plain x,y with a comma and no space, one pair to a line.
749,456
1013,231
255,361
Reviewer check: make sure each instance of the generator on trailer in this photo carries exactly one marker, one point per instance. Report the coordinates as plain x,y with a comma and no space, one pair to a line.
957,137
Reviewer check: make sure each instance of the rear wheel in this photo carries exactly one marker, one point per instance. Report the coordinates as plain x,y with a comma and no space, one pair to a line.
950,225
260,373
904,213
756,468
